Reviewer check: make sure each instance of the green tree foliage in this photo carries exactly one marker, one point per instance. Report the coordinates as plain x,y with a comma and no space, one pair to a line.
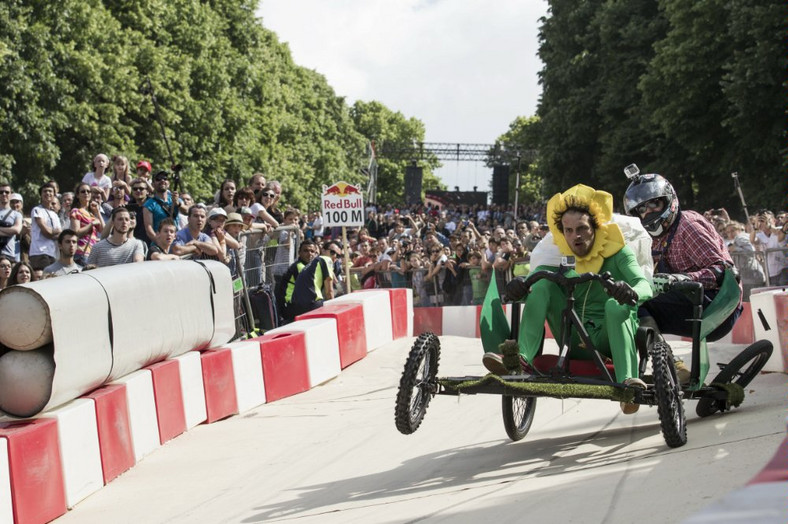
391,131
230,98
692,90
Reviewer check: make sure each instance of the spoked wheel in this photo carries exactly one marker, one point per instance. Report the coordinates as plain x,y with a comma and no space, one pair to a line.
518,414
418,383
667,388
741,370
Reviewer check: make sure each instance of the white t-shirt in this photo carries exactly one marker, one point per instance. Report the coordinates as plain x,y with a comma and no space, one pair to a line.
39,244
774,261
90,179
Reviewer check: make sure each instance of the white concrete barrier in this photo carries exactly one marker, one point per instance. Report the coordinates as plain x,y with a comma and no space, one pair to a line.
763,305
460,321
79,449
6,503
192,388
248,373
142,412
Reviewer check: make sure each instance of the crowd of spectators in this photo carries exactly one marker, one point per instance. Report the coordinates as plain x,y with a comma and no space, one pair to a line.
447,254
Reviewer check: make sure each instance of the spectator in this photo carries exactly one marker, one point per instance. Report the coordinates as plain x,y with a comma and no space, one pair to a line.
160,205
480,278
256,183
66,202
264,209
86,220
244,197
144,170
119,197
226,196
215,229
22,273
6,264
67,241
770,237
285,286
289,237
17,202
10,223
136,206
121,171
45,228
98,177
120,247
161,247
191,240
183,211
233,227
316,281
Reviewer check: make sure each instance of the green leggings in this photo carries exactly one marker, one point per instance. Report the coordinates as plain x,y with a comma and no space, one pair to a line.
613,335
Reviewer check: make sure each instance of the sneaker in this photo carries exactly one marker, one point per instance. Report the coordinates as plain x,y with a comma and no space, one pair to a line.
494,364
682,372
629,408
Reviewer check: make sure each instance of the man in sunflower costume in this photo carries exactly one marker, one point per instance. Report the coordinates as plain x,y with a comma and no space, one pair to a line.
579,219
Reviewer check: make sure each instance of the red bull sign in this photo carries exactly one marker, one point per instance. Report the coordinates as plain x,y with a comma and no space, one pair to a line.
342,204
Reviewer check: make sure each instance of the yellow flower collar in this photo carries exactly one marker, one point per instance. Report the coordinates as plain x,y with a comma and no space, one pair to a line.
608,239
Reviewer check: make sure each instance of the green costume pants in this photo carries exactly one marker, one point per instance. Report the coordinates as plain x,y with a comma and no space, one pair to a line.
613,335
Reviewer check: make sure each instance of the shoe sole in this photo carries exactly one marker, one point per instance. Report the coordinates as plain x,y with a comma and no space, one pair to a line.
495,367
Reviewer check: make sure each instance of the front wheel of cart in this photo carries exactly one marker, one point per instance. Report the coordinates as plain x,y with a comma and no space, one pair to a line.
741,370
518,414
667,388
418,383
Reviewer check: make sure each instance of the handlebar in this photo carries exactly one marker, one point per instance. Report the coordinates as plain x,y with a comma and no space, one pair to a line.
569,282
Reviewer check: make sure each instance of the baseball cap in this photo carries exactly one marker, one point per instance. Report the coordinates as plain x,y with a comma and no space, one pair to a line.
234,218
161,175
17,196
217,211
145,164
246,211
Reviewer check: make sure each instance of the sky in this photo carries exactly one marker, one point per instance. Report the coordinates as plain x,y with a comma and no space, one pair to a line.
465,68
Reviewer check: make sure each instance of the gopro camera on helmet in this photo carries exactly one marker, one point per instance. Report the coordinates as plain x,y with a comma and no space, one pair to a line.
632,171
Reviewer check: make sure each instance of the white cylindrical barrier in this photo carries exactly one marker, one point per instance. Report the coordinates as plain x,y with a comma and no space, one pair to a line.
26,381
27,323
109,322
764,320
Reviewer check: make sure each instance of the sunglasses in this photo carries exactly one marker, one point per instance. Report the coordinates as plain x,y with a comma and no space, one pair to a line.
336,254
269,195
85,192
139,188
4,192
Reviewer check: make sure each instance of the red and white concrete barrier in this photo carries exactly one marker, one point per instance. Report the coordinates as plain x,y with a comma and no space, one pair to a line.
248,375
322,347
376,304
141,404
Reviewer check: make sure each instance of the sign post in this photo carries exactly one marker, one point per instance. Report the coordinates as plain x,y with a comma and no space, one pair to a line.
342,204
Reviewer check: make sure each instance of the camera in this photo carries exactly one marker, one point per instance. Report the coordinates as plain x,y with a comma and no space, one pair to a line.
632,171
443,259
568,261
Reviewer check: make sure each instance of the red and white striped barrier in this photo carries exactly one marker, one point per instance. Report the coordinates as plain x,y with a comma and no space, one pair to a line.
377,315
34,469
219,384
192,388
351,332
285,368
114,430
167,392
322,347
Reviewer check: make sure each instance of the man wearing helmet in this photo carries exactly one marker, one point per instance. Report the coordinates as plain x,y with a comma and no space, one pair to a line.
685,246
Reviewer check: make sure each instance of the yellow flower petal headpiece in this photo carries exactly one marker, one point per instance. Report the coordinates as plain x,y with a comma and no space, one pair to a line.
608,239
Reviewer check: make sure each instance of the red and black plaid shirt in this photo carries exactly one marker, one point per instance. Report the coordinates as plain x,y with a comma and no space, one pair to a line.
694,249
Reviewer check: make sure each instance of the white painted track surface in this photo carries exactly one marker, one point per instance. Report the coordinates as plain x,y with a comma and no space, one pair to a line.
332,454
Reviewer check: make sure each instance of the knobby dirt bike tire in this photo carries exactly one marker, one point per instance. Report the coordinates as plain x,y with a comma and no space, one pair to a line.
667,389
418,383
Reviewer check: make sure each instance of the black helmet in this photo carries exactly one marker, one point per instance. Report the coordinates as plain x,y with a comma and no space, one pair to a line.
645,188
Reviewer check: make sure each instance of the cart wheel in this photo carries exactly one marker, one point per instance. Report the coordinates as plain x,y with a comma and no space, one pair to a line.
518,414
418,384
741,370
672,419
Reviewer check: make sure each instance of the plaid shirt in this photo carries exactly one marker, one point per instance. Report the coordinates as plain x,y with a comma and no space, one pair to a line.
693,249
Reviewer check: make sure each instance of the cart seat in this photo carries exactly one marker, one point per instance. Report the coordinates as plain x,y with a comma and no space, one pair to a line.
583,368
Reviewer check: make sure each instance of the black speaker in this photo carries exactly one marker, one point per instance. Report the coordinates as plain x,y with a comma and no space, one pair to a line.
413,175
500,186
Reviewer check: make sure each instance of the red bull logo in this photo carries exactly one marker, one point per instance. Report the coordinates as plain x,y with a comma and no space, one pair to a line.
341,189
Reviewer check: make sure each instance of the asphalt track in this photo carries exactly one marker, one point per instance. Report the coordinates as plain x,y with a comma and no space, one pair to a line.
332,454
